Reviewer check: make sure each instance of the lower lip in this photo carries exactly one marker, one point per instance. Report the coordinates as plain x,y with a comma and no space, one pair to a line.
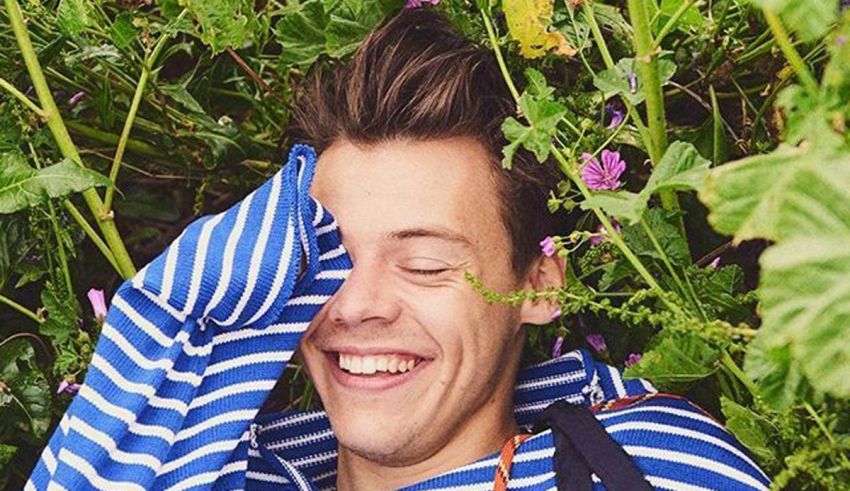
372,382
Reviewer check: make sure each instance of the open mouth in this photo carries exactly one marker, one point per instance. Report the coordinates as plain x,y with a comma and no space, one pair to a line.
374,371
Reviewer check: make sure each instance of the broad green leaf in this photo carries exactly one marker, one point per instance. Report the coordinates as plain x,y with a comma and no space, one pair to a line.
682,168
542,113
625,206
809,19
662,224
528,23
223,23
74,16
351,21
691,19
788,192
750,428
622,80
806,302
21,186
301,33
179,93
124,32
778,378
676,362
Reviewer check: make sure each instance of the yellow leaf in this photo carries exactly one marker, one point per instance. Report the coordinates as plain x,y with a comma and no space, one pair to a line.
528,23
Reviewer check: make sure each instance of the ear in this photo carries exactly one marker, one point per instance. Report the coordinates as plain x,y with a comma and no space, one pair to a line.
545,272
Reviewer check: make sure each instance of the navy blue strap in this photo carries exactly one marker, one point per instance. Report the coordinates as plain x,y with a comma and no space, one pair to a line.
583,446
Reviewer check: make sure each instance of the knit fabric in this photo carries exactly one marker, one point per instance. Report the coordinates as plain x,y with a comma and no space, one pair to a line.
193,344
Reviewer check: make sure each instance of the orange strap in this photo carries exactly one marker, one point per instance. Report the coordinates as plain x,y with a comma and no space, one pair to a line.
503,468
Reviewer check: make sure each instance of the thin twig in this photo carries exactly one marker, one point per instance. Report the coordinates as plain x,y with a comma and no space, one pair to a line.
251,73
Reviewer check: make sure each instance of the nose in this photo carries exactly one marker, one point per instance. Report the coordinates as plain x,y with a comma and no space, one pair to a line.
365,297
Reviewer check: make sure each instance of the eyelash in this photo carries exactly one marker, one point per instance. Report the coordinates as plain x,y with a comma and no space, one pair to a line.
427,272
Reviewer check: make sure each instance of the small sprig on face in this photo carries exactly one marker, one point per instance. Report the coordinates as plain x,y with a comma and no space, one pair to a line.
605,175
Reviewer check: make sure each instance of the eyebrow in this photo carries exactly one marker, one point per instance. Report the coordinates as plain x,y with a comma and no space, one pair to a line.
433,233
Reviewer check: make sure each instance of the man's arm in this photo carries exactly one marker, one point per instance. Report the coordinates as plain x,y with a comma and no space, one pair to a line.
192,345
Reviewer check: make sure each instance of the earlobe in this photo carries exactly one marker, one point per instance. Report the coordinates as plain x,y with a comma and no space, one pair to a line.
546,272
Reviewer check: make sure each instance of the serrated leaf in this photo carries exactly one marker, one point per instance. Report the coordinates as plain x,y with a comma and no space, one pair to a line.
750,428
625,206
543,115
622,79
123,31
662,224
676,362
528,23
223,23
62,313
22,187
179,93
25,405
301,33
73,16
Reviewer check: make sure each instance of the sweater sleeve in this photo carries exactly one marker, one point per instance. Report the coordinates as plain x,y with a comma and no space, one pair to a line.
193,344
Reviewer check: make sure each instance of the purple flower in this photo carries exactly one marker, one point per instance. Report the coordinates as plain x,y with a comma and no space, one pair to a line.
602,234
76,98
841,40
597,342
556,347
617,117
605,175
68,387
632,359
98,303
415,4
715,263
547,245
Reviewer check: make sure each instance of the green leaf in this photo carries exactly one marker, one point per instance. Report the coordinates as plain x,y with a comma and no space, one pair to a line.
676,362
625,206
691,19
663,225
7,453
751,429
810,19
179,93
301,33
351,21
62,313
543,114
682,168
223,23
788,192
123,31
73,16
615,81
25,401
779,380
24,187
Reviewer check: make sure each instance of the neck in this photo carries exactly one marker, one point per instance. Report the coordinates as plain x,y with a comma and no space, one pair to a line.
478,438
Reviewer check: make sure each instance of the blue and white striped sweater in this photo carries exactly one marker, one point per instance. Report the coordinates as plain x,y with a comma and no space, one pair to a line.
192,346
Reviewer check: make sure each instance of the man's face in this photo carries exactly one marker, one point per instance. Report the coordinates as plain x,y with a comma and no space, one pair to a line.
414,216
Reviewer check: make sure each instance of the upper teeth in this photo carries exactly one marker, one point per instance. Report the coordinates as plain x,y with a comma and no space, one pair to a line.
375,363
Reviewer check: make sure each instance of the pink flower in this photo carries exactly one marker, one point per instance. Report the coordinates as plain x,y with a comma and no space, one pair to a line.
605,175
98,303
632,359
555,314
602,234
617,118
547,245
76,98
715,263
556,348
67,387
597,342
415,4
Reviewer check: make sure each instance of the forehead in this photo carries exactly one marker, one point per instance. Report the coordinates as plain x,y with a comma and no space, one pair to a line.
404,184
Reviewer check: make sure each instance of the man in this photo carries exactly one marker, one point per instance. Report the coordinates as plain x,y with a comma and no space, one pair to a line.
416,371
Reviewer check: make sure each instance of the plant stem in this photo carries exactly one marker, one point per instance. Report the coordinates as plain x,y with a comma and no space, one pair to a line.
20,308
787,47
91,233
147,67
666,260
22,97
502,65
668,26
733,368
63,139
828,434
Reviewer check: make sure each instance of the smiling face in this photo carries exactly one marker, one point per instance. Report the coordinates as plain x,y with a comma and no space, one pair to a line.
414,216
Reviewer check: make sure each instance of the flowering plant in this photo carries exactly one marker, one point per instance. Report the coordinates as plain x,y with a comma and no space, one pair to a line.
703,147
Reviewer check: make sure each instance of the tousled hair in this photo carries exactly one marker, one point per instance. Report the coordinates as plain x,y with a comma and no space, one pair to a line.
415,77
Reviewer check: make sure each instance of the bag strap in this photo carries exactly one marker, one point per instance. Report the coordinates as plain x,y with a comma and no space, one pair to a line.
506,459
583,446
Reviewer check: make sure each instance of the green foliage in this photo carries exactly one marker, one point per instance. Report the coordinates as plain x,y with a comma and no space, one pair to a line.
810,19
21,186
543,115
622,80
677,362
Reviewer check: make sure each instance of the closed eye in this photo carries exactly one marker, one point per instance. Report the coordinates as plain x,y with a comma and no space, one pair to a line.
426,272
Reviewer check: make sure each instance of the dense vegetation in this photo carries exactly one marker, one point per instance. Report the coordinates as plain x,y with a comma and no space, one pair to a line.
139,116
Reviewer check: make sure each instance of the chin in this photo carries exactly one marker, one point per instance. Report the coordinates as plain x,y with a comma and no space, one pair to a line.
381,445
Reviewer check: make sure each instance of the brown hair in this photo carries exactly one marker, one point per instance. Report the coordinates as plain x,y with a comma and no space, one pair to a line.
415,77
